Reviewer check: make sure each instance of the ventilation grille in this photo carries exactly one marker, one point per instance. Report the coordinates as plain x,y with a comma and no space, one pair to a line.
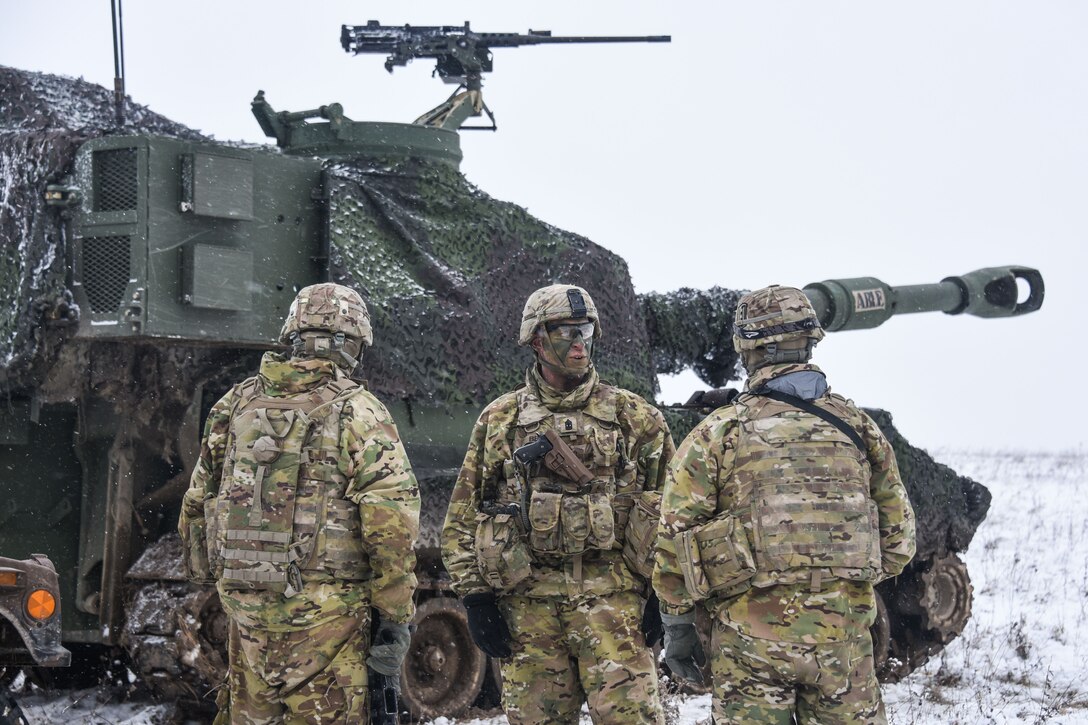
114,180
106,271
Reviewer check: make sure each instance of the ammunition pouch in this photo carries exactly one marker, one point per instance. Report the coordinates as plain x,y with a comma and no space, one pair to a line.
344,556
716,559
640,533
501,552
566,525
211,517
198,565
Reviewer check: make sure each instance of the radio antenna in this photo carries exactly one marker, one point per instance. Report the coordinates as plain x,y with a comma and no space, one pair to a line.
118,63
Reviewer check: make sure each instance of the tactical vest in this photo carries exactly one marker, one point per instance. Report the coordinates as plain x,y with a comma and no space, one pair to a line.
804,493
281,516
566,519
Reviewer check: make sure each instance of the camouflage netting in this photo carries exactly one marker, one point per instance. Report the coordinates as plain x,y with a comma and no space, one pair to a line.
446,270
948,507
693,328
444,267
43,120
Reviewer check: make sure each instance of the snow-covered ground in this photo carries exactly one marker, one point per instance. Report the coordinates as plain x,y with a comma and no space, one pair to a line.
1023,657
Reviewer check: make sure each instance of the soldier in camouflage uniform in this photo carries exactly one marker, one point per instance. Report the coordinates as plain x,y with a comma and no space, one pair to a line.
780,513
304,510
539,559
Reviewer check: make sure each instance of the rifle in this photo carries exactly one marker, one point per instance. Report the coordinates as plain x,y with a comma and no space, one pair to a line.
461,56
384,692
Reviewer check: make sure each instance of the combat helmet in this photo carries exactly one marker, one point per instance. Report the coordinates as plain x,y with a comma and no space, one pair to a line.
557,302
328,320
780,321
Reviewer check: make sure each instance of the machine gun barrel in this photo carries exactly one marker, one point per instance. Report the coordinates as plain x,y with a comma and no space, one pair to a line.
865,302
540,37
428,40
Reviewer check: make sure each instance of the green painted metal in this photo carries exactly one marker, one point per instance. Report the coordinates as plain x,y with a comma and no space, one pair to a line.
339,136
191,241
865,302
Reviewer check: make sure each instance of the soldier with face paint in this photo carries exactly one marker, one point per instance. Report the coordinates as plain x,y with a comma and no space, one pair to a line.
780,513
538,549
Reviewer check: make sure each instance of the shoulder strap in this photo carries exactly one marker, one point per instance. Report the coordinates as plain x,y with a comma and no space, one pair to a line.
244,391
819,412
333,395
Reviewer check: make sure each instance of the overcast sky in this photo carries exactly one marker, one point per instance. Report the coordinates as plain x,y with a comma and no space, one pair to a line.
784,142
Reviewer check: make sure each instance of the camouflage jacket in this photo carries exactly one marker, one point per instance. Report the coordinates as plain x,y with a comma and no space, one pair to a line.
644,447
381,484
701,485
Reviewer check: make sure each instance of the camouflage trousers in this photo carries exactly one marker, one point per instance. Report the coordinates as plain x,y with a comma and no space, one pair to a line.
766,681
314,675
566,654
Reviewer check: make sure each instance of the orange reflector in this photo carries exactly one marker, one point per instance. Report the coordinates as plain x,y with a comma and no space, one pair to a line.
9,578
41,604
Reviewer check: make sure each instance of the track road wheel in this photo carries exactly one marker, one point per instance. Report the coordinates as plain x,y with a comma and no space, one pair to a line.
444,670
946,598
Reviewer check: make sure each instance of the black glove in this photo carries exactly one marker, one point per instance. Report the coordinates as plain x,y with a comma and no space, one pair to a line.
652,628
683,651
486,624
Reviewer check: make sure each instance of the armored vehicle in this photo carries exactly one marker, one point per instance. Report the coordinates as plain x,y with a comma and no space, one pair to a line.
146,267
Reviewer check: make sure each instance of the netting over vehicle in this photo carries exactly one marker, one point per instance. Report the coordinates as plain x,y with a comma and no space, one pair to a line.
445,270
44,119
693,328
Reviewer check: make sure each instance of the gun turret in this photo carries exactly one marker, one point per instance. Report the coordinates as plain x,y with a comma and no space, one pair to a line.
461,56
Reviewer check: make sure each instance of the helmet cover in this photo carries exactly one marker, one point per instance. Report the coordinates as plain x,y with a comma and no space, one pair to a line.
774,314
557,302
330,308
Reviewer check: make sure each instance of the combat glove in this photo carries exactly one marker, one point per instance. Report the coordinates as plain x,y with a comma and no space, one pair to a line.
683,651
652,628
389,648
486,624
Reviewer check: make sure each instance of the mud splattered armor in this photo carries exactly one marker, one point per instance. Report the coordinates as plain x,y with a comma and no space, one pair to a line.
298,572
572,603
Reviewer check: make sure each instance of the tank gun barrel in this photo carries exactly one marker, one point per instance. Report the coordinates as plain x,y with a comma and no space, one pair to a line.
866,302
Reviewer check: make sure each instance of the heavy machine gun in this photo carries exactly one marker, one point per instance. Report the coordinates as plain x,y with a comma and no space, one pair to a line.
461,56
